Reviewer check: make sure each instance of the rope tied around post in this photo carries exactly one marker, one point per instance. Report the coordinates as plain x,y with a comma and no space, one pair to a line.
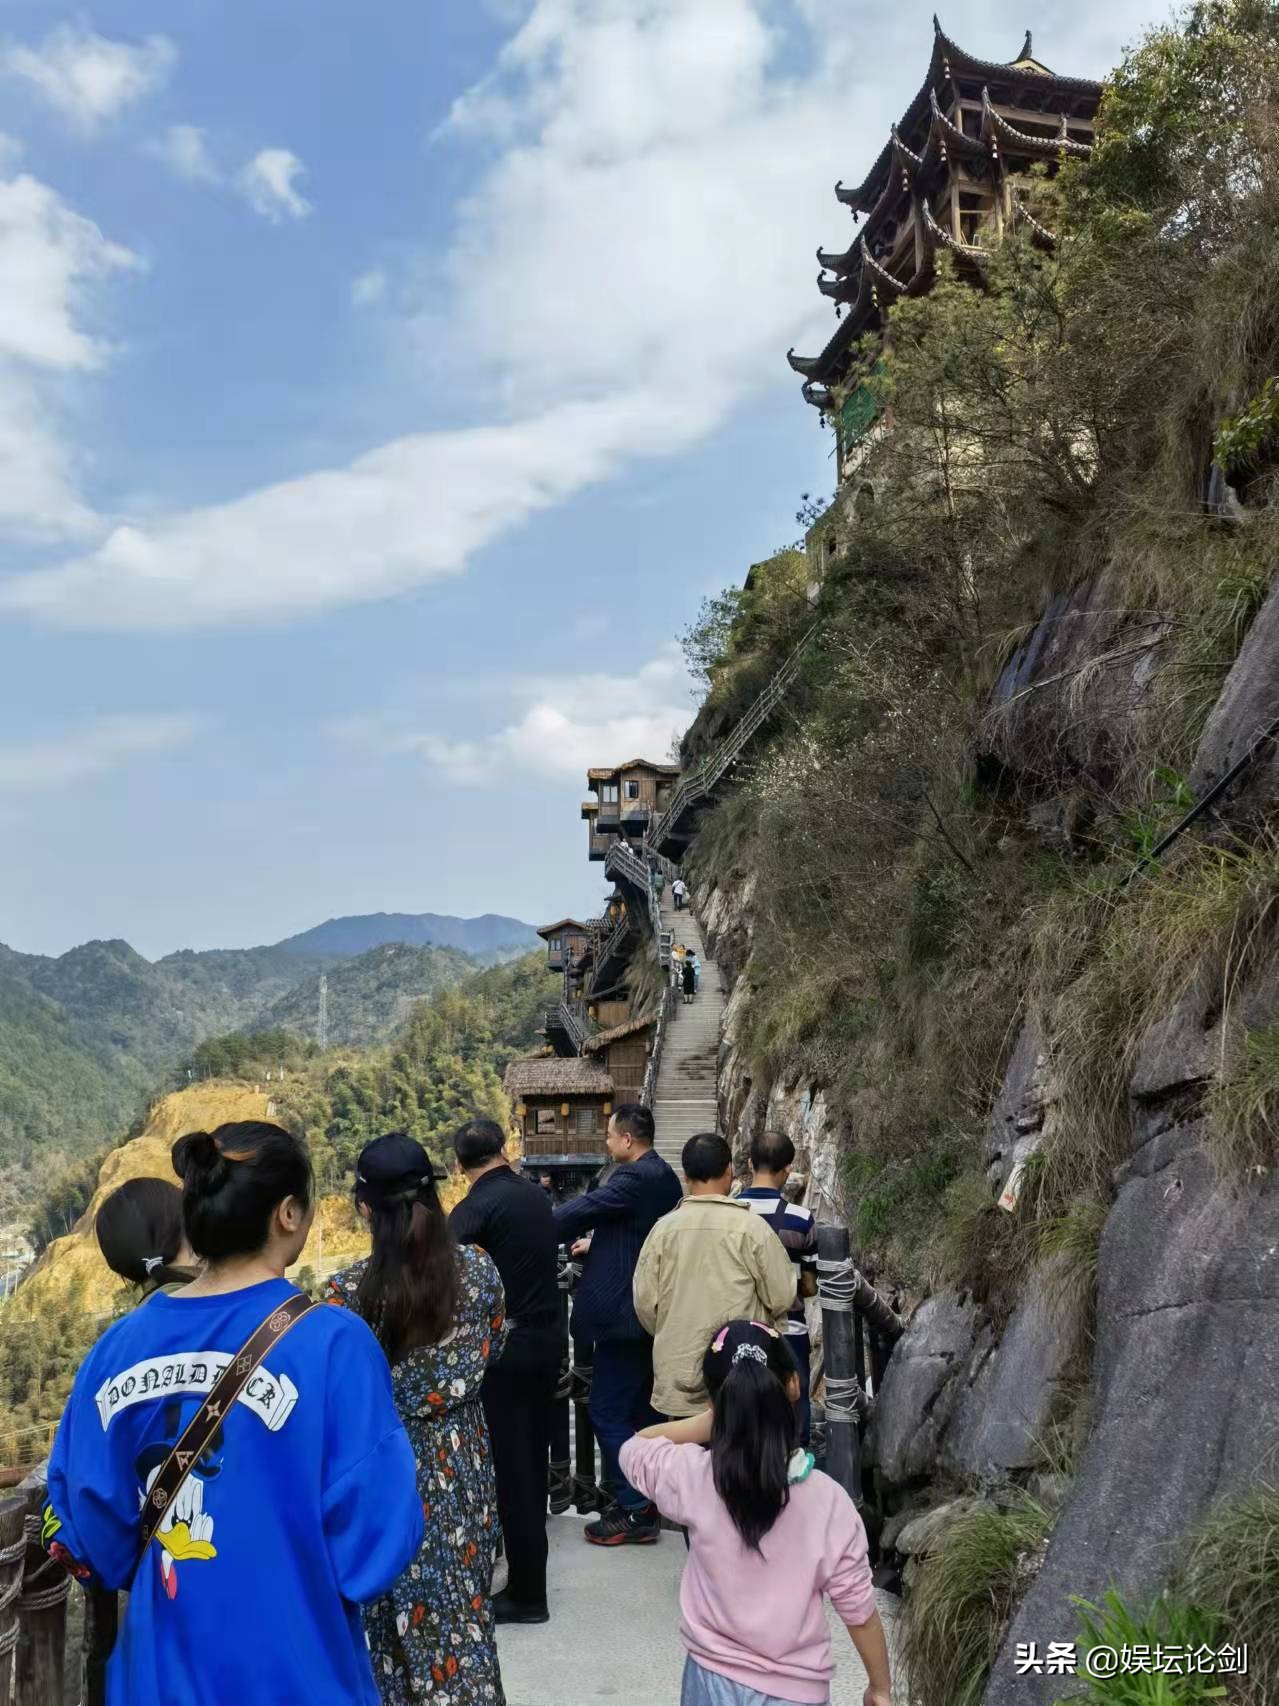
44,1599
837,1283
846,1399
845,1290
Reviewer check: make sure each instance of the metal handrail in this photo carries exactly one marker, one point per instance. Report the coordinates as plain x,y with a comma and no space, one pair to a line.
628,862
698,783
606,944
649,1092
570,1023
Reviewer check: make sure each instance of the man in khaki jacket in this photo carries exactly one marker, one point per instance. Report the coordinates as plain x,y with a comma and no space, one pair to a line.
709,1261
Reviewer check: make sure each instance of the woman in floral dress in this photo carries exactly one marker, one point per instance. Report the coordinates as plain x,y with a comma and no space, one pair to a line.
439,1312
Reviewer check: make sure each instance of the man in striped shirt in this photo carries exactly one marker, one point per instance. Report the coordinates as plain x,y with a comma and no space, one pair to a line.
772,1157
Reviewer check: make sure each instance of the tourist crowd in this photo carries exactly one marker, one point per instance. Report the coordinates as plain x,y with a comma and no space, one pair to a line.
303,1504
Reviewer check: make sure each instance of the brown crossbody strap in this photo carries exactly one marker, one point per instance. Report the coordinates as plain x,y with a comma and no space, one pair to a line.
211,1414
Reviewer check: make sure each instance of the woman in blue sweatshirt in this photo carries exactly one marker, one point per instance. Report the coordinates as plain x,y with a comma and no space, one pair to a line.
303,1506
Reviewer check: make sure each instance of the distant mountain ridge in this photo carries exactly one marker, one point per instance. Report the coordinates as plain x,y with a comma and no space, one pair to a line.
489,935
84,1035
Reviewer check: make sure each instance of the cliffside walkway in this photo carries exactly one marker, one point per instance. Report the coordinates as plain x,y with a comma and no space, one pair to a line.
614,1630
685,1100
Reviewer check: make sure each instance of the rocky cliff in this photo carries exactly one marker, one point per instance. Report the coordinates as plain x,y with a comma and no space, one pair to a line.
1130,1411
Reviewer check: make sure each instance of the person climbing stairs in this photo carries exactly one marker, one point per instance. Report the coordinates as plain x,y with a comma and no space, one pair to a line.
685,1100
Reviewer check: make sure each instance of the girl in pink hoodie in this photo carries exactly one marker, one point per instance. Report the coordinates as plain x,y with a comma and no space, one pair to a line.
765,1529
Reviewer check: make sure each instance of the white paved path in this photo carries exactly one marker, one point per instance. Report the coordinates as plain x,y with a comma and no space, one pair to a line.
614,1630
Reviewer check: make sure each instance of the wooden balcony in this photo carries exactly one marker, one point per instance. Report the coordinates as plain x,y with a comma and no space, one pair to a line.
599,845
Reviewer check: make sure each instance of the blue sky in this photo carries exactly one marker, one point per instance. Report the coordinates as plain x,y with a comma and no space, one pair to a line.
381,389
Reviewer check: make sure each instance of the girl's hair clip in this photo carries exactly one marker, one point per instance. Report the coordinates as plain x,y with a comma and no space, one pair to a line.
765,1328
756,1353
717,1344
151,1263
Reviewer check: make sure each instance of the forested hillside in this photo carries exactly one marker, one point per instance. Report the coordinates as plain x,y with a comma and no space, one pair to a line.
446,1059
368,997
85,1035
444,1063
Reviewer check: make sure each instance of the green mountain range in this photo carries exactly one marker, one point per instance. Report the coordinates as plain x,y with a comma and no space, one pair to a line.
86,1035
370,996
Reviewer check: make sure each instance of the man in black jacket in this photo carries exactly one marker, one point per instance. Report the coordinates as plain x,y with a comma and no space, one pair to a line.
620,1214
511,1218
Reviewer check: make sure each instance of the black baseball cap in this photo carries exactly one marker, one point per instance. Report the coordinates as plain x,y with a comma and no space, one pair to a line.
392,1162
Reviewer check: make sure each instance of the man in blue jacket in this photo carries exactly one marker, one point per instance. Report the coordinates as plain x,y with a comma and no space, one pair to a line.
619,1214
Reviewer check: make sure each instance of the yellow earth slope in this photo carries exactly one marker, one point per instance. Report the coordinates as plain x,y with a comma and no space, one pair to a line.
71,1273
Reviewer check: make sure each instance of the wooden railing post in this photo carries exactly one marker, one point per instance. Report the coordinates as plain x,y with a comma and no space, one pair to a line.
13,1546
42,1610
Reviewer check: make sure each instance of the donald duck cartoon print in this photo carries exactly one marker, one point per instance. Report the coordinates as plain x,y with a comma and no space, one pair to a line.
186,1534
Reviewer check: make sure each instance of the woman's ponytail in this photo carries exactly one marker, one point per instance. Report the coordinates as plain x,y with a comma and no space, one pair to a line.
139,1229
410,1289
747,1371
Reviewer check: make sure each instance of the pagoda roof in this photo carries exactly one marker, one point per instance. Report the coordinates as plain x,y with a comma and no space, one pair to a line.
949,60
903,182
996,127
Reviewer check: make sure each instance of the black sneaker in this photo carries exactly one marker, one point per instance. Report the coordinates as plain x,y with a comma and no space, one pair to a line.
508,1610
618,1527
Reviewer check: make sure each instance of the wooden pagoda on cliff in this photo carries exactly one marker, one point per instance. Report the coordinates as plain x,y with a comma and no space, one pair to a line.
947,178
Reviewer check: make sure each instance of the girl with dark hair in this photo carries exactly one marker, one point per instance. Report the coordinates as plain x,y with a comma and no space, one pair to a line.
270,1528
439,1312
765,1529
141,1236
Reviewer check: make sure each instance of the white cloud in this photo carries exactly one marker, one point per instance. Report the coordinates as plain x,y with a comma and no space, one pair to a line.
184,149
47,254
659,176
49,257
369,288
407,513
268,182
561,726
86,77
105,744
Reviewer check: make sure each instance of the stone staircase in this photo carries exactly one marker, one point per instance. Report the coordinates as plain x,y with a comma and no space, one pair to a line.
685,1101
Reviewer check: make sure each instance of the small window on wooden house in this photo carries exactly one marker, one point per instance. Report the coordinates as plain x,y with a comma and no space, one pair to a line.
584,1123
632,790
553,943
608,794
546,1122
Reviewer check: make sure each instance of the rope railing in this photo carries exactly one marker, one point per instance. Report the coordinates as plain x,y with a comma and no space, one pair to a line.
859,1328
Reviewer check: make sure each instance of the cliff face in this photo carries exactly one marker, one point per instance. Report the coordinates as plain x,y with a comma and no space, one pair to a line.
1151,1380
1186,1360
